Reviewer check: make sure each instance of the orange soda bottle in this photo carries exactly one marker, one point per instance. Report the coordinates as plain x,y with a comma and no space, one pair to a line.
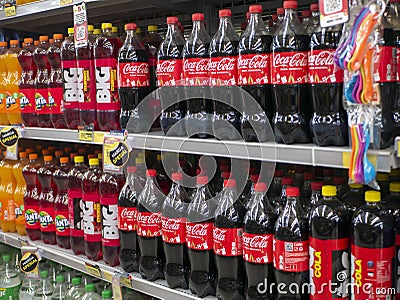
7,187
14,72
3,81
19,193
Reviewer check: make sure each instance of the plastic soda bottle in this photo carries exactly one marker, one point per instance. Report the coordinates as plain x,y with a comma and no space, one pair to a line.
9,280
61,288
3,81
19,193
7,188
28,288
76,291
46,288
90,293
13,77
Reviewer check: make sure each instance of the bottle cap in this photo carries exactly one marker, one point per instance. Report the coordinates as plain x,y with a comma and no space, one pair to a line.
71,30
97,31
280,11
131,26
51,148
28,40
177,176
138,30
3,44
58,153
89,287
23,154
93,162
274,17
287,180
158,157
355,186
247,16
290,4
224,168
106,25
372,196
44,274
43,38
255,8
306,13
64,160
14,42
230,183
382,177
76,281
106,294
308,176
202,180
139,160
90,28
36,43
223,13
72,155
48,158
394,187
60,278
198,17
338,180
278,173
316,185
292,192
151,173
328,191
67,149
260,187
29,150
152,28
100,156
114,29
58,36
314,7
82,150
131,169
79,159
226,175
254,177
33,156
6,258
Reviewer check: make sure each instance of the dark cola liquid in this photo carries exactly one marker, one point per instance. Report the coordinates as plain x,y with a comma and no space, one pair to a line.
353,199
292,101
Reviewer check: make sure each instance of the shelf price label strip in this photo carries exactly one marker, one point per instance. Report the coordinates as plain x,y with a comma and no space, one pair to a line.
10,8
65,2
346,159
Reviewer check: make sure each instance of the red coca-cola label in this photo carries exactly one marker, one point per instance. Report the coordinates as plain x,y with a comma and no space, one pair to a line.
291,256
91,217
109,216
328,264
173,230
46,217
27,100
127,218
398,63
169,72
199,236
107,84
196,71
86,84
62,222
32,220
372,272
385,64
70,84
56,100
257,248
254,69
289,67
321,67
149,224
223,70
41,100
228,241
133,74
75,212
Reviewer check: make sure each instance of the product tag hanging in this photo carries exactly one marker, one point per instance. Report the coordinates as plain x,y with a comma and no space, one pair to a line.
115,152
29,263
80,25
333,12
9,137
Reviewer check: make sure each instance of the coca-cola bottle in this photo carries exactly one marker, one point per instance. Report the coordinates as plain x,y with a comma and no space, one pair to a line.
275,188
169,75
291,259
223,75
305,190
280,13
272,23
328,123
152,257
258,233
289,79
316,196
199,229
228,246
127,221
195,74
330,246
254,76
174,234
152,41
306,18
280,202
133,74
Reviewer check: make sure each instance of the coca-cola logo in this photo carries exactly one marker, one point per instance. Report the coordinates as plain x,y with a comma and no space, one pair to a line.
138,68
197,229
223,64
127,213
171,224
291,60
219,234
258,61
149,219
201,65
166,66
257,241
323,58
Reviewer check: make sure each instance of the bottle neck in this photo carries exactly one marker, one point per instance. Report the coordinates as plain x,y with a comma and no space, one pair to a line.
172,29
198,26
329,198
224,24
280,18
107,30
256,20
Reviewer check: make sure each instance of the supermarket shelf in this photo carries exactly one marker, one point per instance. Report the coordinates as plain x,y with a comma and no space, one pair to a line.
157,289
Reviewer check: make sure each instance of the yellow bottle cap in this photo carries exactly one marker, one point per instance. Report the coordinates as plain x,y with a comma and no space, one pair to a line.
97,31
394,187
90,28
100,156
382,177
152,28
79,159
106,25
139,160
71,30
138,31
395,172
114,29
372,196
140,154
93,162
329,191
158,157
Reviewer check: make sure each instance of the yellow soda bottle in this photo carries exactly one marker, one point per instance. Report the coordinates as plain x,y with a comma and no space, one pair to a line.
3,81
7,187
14,71
19,192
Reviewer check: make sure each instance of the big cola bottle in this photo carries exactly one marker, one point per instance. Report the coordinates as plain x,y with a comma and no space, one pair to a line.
199,230
330,246
152,257
328,122
254,76
169,75
133,75
228,244
314,21
174,234
258,233
223,75
289,79
291,259
195,75
152,41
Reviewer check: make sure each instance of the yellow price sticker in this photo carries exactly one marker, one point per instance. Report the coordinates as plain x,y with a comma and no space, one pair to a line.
398,148
85,135
126,282
93,270
10,11
107,276
98,137
66,2
346,159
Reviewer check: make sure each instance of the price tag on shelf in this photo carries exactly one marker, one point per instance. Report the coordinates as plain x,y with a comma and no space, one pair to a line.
346,159
126,280
116,286
80,25
85,135
98,137
65,2
10,11
93,269
115,153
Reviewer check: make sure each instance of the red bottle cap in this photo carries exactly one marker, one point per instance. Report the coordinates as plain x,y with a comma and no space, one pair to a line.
202,180
338,180
260,187
177,176
278,173
130,26
306,13
255,8
280,11
172,20
198,17
226,175
308,176
274,17
287,180
290,4
131,169
247,15
224,168
254,177
230,183
314,7
225,13
151,173
292,192
316,185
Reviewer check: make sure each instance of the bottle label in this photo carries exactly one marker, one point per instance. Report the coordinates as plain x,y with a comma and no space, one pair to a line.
27,100
397,263
11,292
398,63
199,236
19,212
62,223
56,100
133,74
195,71
223,70
169,72
385,64
228,241
289,67
372,271
149,224
47,219
70,81
12,102
42,106
32,220
254,69
257,248
91,217
321,67
173,230
291,256
86,84
3,109
127,218
9,210
107,84
109,215
75,212
328,264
